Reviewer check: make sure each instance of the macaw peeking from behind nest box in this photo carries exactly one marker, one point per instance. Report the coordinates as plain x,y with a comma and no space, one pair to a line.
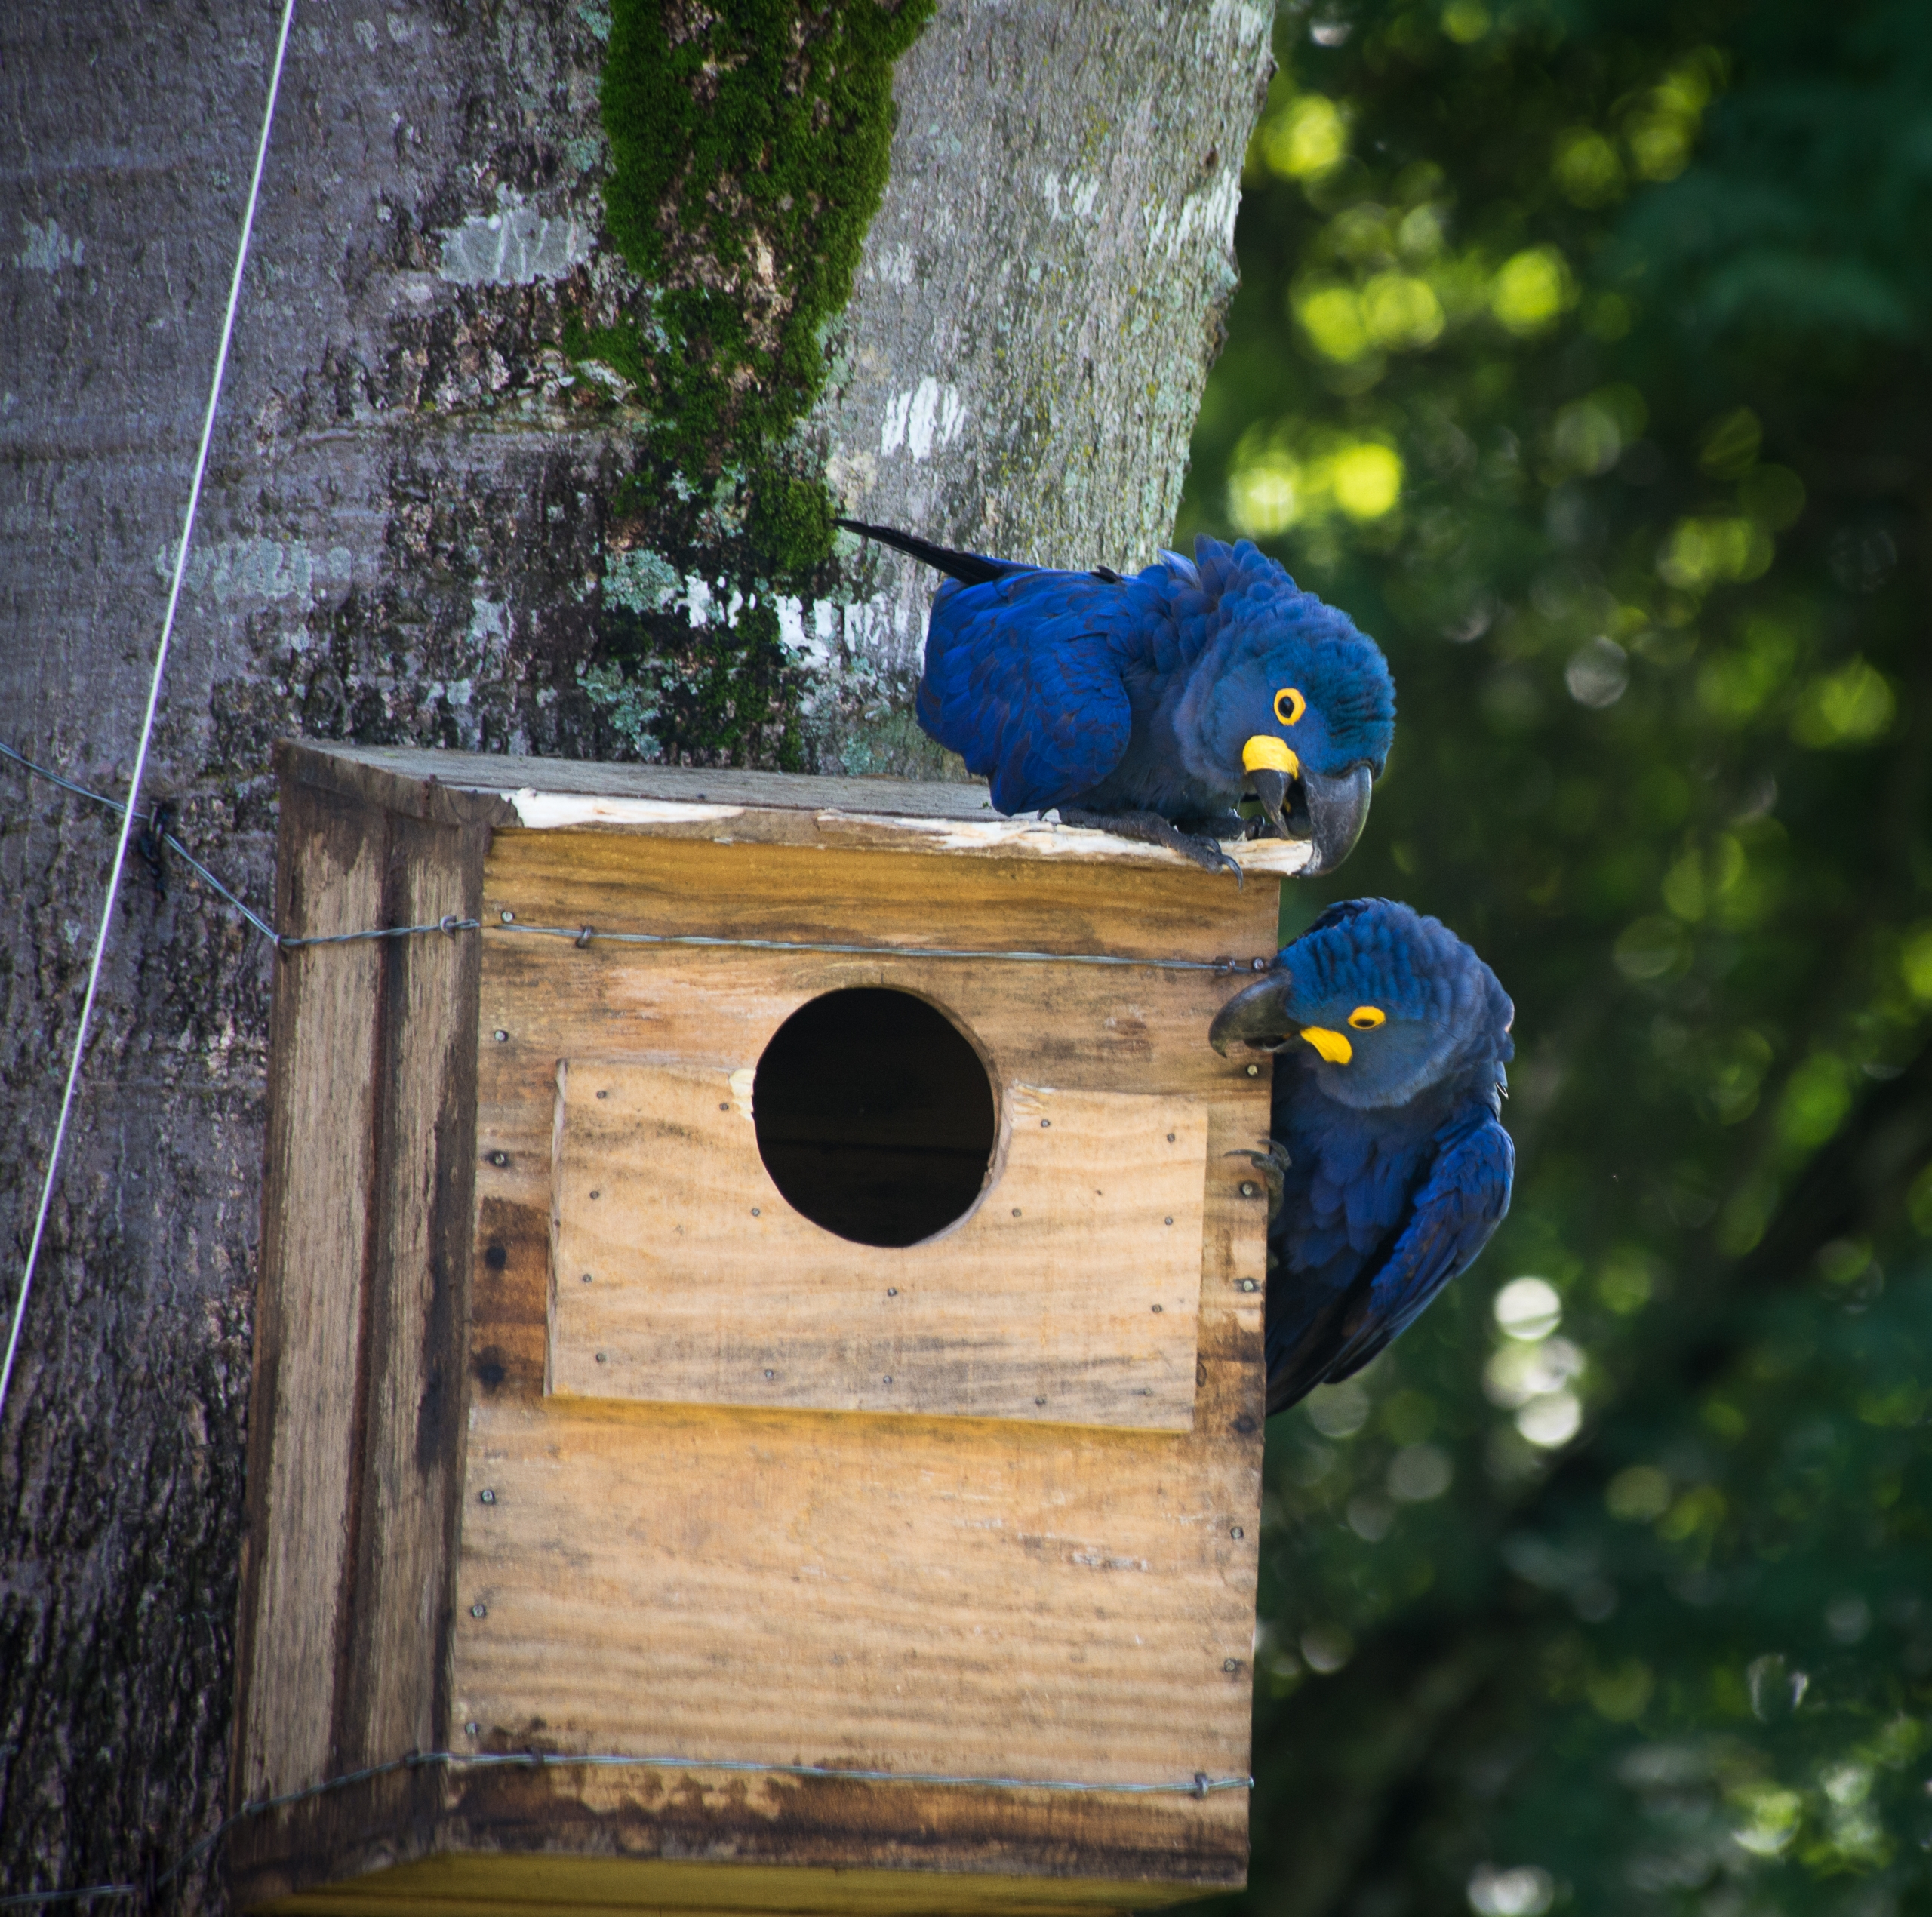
1146,707
1391,1037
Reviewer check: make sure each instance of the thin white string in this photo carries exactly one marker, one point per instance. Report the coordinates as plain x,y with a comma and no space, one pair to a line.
148,720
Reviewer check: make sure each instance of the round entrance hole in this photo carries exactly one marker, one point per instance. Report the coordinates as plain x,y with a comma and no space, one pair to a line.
874,1115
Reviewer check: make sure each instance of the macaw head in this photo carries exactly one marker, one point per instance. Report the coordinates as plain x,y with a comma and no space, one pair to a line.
1385,1002
1289,698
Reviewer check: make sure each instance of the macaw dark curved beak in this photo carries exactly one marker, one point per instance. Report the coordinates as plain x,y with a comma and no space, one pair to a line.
1337,810
1271,787
1261,1016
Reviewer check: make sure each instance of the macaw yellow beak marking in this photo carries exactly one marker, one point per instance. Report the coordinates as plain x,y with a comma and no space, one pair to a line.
1264,750
1331,1045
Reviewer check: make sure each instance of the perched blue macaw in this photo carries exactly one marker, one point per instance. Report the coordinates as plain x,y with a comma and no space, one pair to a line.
1146,706
1390,1038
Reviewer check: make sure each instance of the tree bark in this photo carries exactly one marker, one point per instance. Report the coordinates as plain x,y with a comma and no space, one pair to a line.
408,535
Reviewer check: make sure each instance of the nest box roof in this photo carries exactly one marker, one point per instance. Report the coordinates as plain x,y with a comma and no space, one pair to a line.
769,808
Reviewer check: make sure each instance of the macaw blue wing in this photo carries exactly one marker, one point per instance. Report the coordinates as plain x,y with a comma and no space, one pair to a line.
1459,1207
1022,681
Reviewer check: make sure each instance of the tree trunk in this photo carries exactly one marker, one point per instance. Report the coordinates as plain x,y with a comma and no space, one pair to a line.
415,529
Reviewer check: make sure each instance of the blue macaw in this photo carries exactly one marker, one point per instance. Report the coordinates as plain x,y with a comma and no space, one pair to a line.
1390,1038
1146,706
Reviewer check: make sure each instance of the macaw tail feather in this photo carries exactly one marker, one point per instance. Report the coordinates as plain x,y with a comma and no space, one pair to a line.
969,568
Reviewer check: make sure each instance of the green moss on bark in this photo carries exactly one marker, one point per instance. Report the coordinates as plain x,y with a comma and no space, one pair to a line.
750,144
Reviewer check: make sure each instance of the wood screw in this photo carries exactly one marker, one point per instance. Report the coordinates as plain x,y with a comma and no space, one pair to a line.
471,1730
486,1496
756,1213
1237,1532
892,1290
1045,1123
1167,1221
479,1610
586,1278
600,1358
502,1037
1230,1664
772,1374
1248,1188
1154,1308
503,1157
1254,1071
508,918
1246,1284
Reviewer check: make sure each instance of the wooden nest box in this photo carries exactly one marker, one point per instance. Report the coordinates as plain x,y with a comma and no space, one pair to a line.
772,1426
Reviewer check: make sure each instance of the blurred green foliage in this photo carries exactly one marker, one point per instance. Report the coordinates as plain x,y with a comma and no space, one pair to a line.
1581,353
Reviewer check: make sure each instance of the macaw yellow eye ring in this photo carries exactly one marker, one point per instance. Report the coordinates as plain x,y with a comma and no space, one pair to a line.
1297,705
1366,1018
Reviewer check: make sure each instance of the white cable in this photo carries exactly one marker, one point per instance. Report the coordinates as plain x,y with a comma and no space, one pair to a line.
147,723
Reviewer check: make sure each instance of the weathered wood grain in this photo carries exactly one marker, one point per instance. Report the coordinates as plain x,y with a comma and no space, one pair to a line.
317,1216
1068,1295
917,1595
393,1693
727,806
642,882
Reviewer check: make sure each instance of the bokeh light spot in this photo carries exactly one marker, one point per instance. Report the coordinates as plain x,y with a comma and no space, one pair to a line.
1367,481
1526,1890
1528,1308
1638,1495
1465,21
1850,707
1305,139
1552,1420
1587,166
1531,289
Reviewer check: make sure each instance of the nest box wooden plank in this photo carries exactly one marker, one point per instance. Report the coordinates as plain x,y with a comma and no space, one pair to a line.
816,1374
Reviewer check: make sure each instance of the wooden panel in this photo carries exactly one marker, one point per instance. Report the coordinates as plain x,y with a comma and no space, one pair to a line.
894,1591
903,1593
1068,1295
910,1595
393,1695
645,883
305,1404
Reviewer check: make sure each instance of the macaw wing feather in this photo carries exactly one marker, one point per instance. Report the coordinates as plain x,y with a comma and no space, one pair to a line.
1459,1205
1021,681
